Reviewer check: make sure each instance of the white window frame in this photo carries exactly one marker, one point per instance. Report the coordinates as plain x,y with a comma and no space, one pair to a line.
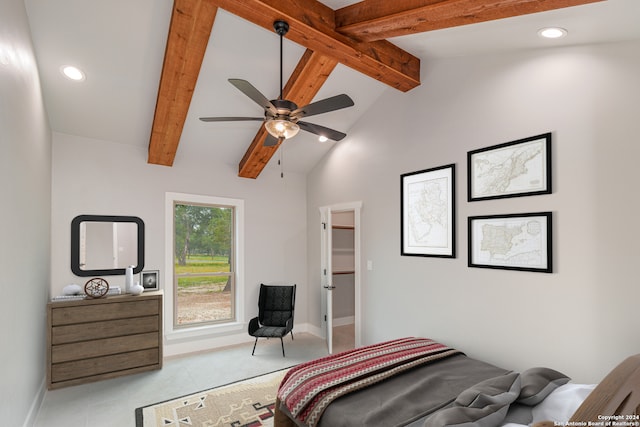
198,331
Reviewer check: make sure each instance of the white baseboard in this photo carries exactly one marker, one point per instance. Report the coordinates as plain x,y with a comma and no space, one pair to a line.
35,406
183,347
311,329
343,321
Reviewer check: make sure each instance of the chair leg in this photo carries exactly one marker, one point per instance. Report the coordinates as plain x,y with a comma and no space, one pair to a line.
291,335
254,346
282,343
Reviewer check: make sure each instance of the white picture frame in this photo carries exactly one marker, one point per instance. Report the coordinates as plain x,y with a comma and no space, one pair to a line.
150,280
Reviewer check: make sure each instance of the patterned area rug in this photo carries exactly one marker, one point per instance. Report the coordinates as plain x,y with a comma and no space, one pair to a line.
247,403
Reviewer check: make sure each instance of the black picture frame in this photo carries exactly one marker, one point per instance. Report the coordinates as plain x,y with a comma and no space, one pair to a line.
428,212
520,242
512,169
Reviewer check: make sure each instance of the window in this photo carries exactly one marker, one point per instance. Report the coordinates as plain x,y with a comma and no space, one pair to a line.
205,242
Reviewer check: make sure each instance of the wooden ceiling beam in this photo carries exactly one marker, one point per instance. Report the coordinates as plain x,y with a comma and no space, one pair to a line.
189,32
353,36
312,71
371,20
312,25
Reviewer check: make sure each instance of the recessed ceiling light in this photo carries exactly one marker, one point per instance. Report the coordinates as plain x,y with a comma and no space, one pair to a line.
552,32
323,138
72,73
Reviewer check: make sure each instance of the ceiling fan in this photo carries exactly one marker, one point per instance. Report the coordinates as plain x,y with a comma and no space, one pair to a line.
281,116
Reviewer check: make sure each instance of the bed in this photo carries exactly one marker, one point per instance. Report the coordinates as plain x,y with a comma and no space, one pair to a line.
417,382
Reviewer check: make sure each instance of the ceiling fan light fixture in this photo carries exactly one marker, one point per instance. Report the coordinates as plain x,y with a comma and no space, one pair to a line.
323,138
281,128
282,116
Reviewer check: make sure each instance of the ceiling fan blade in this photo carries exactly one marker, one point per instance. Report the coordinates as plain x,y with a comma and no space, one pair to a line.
323,106
232,119
322,131
271,140
253,93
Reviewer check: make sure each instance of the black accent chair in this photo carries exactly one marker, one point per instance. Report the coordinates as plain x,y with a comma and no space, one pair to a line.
275,314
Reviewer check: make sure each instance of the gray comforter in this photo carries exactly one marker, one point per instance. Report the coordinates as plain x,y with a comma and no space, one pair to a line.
419,393
455,391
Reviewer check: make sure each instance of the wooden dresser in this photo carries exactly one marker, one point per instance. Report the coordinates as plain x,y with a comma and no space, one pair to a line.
95,339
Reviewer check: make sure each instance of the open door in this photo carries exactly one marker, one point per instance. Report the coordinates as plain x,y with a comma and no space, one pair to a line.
327,276
328,273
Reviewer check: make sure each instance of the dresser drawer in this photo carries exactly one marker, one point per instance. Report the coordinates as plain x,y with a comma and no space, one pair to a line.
101,312
103,347
105,329
103,365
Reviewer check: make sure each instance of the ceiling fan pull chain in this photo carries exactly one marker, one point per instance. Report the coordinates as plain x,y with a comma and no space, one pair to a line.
280,162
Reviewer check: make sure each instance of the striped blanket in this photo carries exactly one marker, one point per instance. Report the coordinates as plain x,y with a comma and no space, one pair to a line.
307,389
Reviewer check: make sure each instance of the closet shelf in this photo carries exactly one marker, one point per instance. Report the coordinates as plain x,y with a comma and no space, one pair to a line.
344,272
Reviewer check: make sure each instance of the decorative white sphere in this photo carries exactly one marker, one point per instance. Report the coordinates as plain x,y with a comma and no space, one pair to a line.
72,289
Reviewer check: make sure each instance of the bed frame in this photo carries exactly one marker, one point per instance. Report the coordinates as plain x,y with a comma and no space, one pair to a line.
618,394
280,419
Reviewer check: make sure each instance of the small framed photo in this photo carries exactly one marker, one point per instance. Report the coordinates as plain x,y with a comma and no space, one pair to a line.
511,242
513,169
427,212
150,280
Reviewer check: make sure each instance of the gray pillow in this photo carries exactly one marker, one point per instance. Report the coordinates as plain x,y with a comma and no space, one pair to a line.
538,383
483,405
502,389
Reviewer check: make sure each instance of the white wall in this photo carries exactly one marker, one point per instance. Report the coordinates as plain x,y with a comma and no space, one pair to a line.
25,167
101,177
582,319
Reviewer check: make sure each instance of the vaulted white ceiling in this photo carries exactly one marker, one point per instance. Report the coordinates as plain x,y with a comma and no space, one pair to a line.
120,46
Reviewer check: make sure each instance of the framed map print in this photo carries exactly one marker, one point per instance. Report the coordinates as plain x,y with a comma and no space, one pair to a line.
512,169
511,242
427,212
